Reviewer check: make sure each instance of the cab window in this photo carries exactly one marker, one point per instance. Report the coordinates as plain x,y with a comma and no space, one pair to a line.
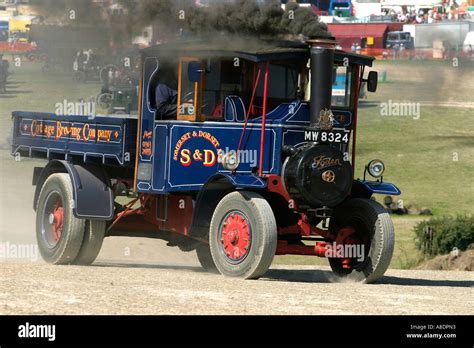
342,86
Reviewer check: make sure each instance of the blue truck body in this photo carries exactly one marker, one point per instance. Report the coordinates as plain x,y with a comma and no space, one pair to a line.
106,140
173,156
111,141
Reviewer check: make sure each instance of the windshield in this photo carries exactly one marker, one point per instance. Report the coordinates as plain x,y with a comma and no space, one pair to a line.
341,88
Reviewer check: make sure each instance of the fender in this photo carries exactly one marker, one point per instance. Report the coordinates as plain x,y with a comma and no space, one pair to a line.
93,196
216,188
244,181
365,189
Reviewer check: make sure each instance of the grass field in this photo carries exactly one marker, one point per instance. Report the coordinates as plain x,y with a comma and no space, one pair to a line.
430,158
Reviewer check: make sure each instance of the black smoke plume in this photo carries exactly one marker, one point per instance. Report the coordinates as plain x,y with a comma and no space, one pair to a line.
85,11
240,17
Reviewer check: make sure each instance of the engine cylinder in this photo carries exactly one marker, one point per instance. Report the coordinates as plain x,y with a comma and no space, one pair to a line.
318,176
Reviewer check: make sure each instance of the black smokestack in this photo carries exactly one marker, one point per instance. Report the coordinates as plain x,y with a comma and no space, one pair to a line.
322,62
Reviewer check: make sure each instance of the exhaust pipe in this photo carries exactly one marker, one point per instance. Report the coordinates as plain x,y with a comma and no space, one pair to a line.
322,62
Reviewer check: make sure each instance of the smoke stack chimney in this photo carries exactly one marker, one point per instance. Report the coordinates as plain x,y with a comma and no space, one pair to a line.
322,62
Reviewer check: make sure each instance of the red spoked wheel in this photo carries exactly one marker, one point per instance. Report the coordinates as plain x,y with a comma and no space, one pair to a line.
243,235
349,236
53,219
57,220
236,236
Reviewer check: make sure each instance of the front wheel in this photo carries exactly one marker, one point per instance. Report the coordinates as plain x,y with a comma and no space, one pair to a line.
243,235
204,256
362,227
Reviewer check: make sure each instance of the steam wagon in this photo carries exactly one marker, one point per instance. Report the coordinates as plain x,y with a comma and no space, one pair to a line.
257,160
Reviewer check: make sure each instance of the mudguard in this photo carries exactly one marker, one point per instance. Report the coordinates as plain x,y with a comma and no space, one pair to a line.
93,196
245,181
368,188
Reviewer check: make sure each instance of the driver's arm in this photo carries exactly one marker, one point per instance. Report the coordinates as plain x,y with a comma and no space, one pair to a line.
166,102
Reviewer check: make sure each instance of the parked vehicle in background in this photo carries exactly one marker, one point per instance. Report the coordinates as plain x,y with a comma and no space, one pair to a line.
87,66
119,100
399,39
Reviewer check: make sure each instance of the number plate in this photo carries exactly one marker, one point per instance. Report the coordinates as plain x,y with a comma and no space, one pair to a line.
320,136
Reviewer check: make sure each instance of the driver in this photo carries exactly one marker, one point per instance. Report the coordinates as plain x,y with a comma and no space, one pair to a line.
166,95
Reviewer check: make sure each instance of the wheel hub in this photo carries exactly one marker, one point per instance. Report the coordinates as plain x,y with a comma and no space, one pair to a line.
347,236
51,218
235,236
56,218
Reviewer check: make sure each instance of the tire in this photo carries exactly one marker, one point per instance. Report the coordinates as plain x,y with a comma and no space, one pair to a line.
374,228
92,242
105,100
204,256
58,243
256,230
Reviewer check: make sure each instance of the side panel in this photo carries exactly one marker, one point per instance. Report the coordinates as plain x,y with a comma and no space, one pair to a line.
46,135
186,155
196,152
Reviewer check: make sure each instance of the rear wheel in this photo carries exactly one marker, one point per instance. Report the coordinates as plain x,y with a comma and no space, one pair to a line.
365,223
243,235
58,232
92,242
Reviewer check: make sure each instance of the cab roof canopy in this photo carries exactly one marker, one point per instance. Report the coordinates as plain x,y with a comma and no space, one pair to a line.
252,50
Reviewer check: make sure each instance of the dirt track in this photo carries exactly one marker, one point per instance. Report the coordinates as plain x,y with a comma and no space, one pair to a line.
134,276
114,287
